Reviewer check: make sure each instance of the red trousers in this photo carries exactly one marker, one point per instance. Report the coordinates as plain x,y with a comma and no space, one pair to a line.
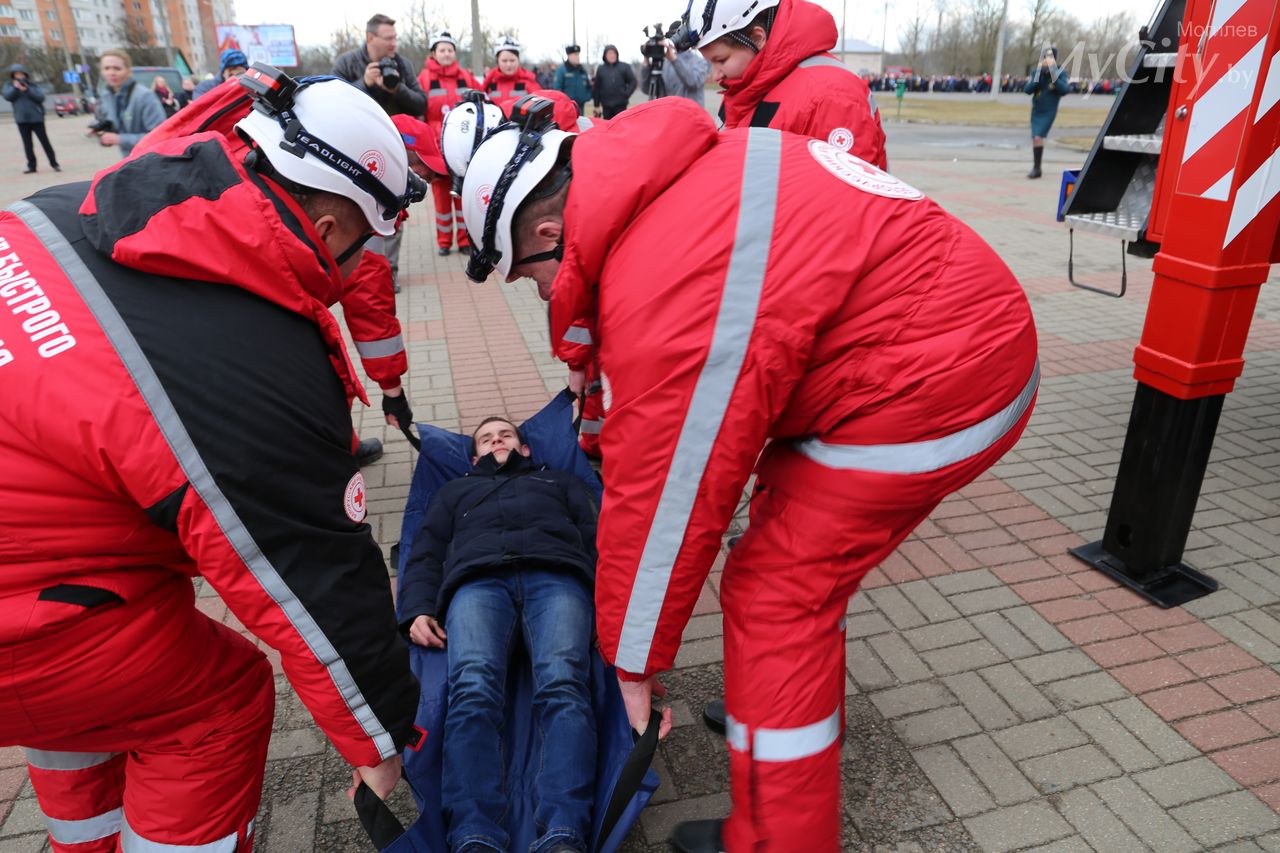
144,722
448,213
814,533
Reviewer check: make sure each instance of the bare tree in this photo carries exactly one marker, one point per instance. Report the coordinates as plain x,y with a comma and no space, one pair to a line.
479,44
345,38
140,42
315,59
984,27
912,39
1042,12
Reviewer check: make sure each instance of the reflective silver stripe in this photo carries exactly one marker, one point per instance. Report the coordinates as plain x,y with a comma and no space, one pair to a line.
132,842
584,123
578,335
89,829
444,217
919,457
380,349
199,476
590,427
784,744
719,376
824,61
45,759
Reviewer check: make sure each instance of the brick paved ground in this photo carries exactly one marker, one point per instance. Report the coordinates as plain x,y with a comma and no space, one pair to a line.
1000,696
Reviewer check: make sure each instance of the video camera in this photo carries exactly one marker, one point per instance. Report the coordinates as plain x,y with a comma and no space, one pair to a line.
390,71
654,52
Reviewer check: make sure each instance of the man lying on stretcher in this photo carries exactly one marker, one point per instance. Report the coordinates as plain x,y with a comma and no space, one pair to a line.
507,554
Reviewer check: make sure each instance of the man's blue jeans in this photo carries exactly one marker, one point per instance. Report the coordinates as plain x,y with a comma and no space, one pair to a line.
553,613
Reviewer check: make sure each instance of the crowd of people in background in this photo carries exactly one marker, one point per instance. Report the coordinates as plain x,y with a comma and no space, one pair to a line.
981,83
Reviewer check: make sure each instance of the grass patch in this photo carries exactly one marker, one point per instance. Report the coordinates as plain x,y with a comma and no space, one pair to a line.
981,112
1075,143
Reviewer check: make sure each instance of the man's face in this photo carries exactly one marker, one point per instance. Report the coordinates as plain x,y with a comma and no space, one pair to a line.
499,438
508,62
114,71
20,76
419,168
233,71
574,59
382,43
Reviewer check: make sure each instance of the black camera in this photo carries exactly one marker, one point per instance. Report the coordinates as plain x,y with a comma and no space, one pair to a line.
654,52
102,125
390,71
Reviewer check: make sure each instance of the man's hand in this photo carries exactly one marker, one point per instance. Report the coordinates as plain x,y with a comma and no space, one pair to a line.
637,697
671,51
381,778
577,381
426,631
19,85
372,76
395,407
106,140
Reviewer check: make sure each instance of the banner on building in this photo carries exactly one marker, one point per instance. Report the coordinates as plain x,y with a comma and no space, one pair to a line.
273,44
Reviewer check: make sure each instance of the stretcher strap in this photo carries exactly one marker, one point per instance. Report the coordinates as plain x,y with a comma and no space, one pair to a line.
631,777
413,439
383,827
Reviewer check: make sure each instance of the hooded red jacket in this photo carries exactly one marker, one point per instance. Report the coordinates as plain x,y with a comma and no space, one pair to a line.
796,85
443,85
811,296
367,295
506,89
174,391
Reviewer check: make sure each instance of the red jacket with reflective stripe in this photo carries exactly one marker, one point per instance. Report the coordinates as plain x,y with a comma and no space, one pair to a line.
795,85
812,295
369,307
441,83
196,423
506,89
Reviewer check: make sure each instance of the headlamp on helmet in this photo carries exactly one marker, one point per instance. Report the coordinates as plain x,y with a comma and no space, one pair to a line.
274,95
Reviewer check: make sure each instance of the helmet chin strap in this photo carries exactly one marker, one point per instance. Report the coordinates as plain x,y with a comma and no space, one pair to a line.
354,247
556,254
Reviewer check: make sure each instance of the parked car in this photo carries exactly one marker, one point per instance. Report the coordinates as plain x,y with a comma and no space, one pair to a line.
66,105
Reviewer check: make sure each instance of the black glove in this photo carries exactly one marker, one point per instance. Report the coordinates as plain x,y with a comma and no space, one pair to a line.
398,408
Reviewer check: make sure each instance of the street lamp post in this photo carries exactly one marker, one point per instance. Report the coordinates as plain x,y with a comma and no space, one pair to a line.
999,69
884,39
573,11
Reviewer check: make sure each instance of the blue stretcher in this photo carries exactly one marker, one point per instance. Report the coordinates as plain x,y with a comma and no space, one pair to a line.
624,781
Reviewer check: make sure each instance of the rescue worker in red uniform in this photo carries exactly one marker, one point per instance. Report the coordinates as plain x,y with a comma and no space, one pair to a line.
445,81
509,82
368,298
777,71
165,332
875,348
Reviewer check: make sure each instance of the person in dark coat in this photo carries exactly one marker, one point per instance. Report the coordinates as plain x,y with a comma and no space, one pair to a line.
506,555
1046,87
362,67
28,113
613,84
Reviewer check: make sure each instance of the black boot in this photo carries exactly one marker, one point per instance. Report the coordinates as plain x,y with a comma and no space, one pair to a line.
697,836
1037,151
444,250
369,450
714,716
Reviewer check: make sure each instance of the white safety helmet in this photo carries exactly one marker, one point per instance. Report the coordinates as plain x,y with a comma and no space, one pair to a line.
506,43
707,20
328,135
504,171
443,38
464,128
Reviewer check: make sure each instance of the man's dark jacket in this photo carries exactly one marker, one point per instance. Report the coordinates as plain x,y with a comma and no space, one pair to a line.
407,98
614,82
514,515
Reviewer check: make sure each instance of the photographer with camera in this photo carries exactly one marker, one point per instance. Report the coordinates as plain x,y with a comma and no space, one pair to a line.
126,111
613,85
28,113
681,74
380,72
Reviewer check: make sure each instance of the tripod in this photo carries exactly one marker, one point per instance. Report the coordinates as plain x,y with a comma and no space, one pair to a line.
655,86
